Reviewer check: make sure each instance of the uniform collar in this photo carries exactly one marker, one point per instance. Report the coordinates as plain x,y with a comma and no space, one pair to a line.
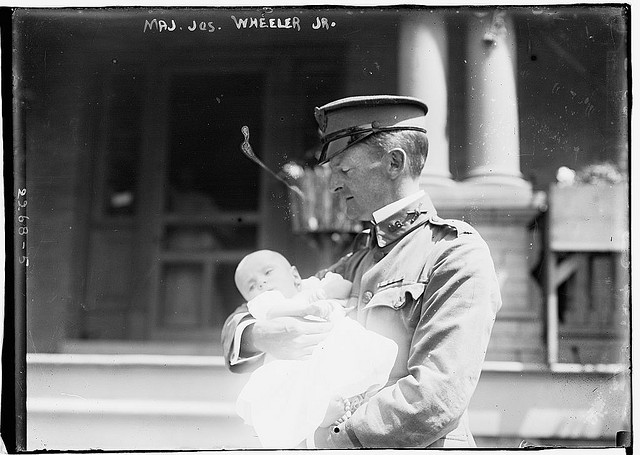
402,216
389,209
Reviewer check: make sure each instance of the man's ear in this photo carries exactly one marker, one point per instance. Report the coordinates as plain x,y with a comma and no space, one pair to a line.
395,162
296,277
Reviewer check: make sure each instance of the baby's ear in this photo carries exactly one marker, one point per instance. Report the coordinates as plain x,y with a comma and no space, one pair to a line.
296,277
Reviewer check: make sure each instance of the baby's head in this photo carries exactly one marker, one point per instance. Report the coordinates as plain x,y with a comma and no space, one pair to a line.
266,270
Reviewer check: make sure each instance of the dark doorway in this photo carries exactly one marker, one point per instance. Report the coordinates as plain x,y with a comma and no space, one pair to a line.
211,201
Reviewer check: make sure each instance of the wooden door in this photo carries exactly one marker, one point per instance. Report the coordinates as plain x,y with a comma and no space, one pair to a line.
201,211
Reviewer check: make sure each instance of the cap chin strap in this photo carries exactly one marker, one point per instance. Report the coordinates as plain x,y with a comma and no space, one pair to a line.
366,131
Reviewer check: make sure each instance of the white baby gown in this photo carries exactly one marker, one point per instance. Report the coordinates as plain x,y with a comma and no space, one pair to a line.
286,400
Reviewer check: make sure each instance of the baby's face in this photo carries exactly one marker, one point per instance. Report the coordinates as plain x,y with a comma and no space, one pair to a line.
266,272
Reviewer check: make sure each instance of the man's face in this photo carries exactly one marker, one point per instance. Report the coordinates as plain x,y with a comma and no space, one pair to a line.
266,271
357,175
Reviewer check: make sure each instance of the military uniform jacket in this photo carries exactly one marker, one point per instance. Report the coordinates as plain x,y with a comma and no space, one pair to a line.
430,285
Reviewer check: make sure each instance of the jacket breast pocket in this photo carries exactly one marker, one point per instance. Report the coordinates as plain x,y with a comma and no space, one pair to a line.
396,302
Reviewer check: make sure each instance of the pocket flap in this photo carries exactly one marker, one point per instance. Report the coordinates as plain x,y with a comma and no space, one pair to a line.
396,297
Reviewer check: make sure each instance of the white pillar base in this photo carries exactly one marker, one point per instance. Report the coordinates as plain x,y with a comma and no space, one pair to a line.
483,195
436,180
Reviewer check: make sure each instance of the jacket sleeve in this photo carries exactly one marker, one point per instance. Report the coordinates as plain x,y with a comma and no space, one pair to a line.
458,309
231,337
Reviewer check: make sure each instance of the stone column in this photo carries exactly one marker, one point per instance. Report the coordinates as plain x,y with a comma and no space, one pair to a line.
494,197
494,143
422,73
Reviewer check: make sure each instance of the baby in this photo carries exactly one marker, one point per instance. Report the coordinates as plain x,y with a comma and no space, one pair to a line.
273,288
302,395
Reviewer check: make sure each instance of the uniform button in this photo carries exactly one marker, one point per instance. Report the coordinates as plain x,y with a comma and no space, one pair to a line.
398,303
378,255
366,297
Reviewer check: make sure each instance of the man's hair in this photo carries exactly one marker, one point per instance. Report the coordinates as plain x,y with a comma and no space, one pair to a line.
414,143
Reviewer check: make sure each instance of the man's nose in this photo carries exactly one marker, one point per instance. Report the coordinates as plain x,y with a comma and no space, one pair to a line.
334,183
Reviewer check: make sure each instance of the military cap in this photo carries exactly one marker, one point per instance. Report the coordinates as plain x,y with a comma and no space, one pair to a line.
347,121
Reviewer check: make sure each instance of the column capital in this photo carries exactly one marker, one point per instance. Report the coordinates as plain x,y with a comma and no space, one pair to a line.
495,20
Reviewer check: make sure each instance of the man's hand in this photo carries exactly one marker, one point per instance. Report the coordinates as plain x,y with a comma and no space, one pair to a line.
322,438
288,338
335,410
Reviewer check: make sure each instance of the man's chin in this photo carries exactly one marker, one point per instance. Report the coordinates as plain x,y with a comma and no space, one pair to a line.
356,215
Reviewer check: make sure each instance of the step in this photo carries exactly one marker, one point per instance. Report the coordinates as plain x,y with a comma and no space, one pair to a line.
126,347
152,377
155,402
571,402
73,423
133,402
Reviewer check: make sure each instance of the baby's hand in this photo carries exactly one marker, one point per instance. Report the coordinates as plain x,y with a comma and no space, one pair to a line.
335,410
321,308
336,287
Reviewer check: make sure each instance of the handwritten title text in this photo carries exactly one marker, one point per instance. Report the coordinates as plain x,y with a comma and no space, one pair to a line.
239,23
